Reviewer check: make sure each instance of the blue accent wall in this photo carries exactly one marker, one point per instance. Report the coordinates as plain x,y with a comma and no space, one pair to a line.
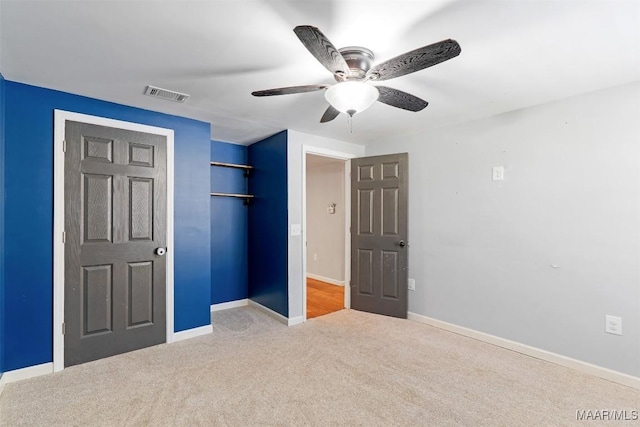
28,215
2,113
229,257
268,224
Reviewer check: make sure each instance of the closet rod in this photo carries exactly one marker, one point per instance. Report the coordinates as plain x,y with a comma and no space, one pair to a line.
246,197
231,165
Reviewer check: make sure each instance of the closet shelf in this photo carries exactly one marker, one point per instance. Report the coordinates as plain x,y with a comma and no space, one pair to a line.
246,197
246,168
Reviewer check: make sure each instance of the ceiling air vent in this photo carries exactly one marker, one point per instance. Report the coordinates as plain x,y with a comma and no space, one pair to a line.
169,95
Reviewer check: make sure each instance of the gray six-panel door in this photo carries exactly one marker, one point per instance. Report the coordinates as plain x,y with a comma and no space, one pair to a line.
378,234
115,221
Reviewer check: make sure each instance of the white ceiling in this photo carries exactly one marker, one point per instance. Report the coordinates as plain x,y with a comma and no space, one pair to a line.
514,54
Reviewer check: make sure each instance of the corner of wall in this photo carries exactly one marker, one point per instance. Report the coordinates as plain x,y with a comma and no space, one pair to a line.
268,223
2,169
229,222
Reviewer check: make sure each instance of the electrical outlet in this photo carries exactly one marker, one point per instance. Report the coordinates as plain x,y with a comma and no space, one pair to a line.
613,325
315,257
498,173
296,229
412,284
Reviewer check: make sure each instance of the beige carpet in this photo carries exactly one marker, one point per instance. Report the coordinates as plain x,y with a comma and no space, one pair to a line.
346,368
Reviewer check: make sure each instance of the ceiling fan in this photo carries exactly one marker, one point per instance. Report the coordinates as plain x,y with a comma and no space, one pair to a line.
351,68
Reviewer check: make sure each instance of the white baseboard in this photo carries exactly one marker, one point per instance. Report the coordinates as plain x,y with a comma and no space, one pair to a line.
230,304
25,373
279,317
47,368
588,368
192,333
292,321
325,279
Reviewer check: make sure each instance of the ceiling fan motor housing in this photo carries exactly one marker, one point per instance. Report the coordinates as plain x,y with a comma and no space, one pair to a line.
358,59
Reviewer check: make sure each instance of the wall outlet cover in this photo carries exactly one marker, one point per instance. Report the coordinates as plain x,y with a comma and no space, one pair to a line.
613,325
412,284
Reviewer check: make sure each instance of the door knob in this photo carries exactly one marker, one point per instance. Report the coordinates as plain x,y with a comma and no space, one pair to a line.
161,251
402,243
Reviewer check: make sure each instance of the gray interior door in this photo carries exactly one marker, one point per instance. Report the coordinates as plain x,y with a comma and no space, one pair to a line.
115,220
378,234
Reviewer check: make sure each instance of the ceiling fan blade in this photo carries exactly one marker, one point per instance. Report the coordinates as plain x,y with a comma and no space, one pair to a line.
289,90
415,60
323,50
330,114
400,99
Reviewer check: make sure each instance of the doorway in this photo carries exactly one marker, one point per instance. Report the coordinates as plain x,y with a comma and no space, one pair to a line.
376,193
326,219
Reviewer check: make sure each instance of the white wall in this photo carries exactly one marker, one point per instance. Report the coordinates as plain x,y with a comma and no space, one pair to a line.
325,231
298,142
541,257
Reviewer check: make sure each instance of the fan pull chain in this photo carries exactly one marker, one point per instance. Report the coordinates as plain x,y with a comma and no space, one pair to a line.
350,113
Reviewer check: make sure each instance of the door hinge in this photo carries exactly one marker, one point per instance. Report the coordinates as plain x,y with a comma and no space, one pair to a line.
64,145
64,329
64,237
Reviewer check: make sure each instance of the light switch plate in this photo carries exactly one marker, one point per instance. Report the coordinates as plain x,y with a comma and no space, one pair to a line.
498,173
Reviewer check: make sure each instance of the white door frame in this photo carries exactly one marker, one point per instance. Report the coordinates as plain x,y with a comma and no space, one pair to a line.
60,119
308,149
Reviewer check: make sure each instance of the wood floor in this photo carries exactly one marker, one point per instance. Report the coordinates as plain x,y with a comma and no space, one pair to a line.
323,298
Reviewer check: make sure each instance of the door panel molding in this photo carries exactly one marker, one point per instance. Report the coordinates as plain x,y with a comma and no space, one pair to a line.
380,216
101,149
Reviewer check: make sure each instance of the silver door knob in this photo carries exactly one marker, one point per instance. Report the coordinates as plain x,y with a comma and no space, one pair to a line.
402,243
161,251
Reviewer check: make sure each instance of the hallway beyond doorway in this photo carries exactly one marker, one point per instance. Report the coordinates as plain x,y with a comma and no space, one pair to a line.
323,298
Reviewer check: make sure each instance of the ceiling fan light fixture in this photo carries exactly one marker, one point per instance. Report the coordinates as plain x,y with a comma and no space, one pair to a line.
351,97
351,68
